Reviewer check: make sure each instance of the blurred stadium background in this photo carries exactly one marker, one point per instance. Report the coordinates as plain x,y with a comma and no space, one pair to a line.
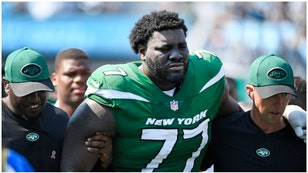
238,32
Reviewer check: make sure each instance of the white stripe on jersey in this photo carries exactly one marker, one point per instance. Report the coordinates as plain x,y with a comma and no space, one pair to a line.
114,94
215,79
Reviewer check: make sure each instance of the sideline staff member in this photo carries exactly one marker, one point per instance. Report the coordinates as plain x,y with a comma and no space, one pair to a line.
31,126
260,140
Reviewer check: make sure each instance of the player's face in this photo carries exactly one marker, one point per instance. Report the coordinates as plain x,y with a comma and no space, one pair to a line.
166,58
70,80
272,108
29,106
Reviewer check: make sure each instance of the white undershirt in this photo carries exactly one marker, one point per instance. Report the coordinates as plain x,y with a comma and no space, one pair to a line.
170,92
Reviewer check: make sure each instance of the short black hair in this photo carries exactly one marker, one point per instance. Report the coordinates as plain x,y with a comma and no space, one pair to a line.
155,21
70,53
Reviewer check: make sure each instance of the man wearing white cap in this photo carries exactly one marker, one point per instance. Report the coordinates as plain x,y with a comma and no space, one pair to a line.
260,140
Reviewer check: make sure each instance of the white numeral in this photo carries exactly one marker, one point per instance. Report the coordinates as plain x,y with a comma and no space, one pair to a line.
169,136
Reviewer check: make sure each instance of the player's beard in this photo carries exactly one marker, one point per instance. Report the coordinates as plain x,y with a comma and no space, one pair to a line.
162,73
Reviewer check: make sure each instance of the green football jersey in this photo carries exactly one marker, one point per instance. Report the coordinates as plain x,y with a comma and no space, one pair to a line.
155,131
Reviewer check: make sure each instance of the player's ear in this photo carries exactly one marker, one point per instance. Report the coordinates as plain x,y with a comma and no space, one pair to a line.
142,51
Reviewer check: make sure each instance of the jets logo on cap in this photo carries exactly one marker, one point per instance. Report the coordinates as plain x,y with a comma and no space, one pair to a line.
277,74
31,70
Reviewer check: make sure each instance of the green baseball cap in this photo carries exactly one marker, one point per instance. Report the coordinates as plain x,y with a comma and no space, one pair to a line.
270,74
27,72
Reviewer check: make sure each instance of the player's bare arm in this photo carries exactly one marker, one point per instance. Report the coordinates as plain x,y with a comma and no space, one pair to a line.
228,105
88,119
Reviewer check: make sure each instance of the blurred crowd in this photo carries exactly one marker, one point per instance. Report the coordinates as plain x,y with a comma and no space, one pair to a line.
238,32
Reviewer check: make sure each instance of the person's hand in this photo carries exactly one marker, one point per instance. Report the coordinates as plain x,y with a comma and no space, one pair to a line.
297,119
300,87
101,144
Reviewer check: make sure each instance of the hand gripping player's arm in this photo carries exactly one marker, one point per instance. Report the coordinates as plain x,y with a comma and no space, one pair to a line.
101,144
297,118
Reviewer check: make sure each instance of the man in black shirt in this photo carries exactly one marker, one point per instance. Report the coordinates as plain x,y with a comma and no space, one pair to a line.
260,140
31,126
